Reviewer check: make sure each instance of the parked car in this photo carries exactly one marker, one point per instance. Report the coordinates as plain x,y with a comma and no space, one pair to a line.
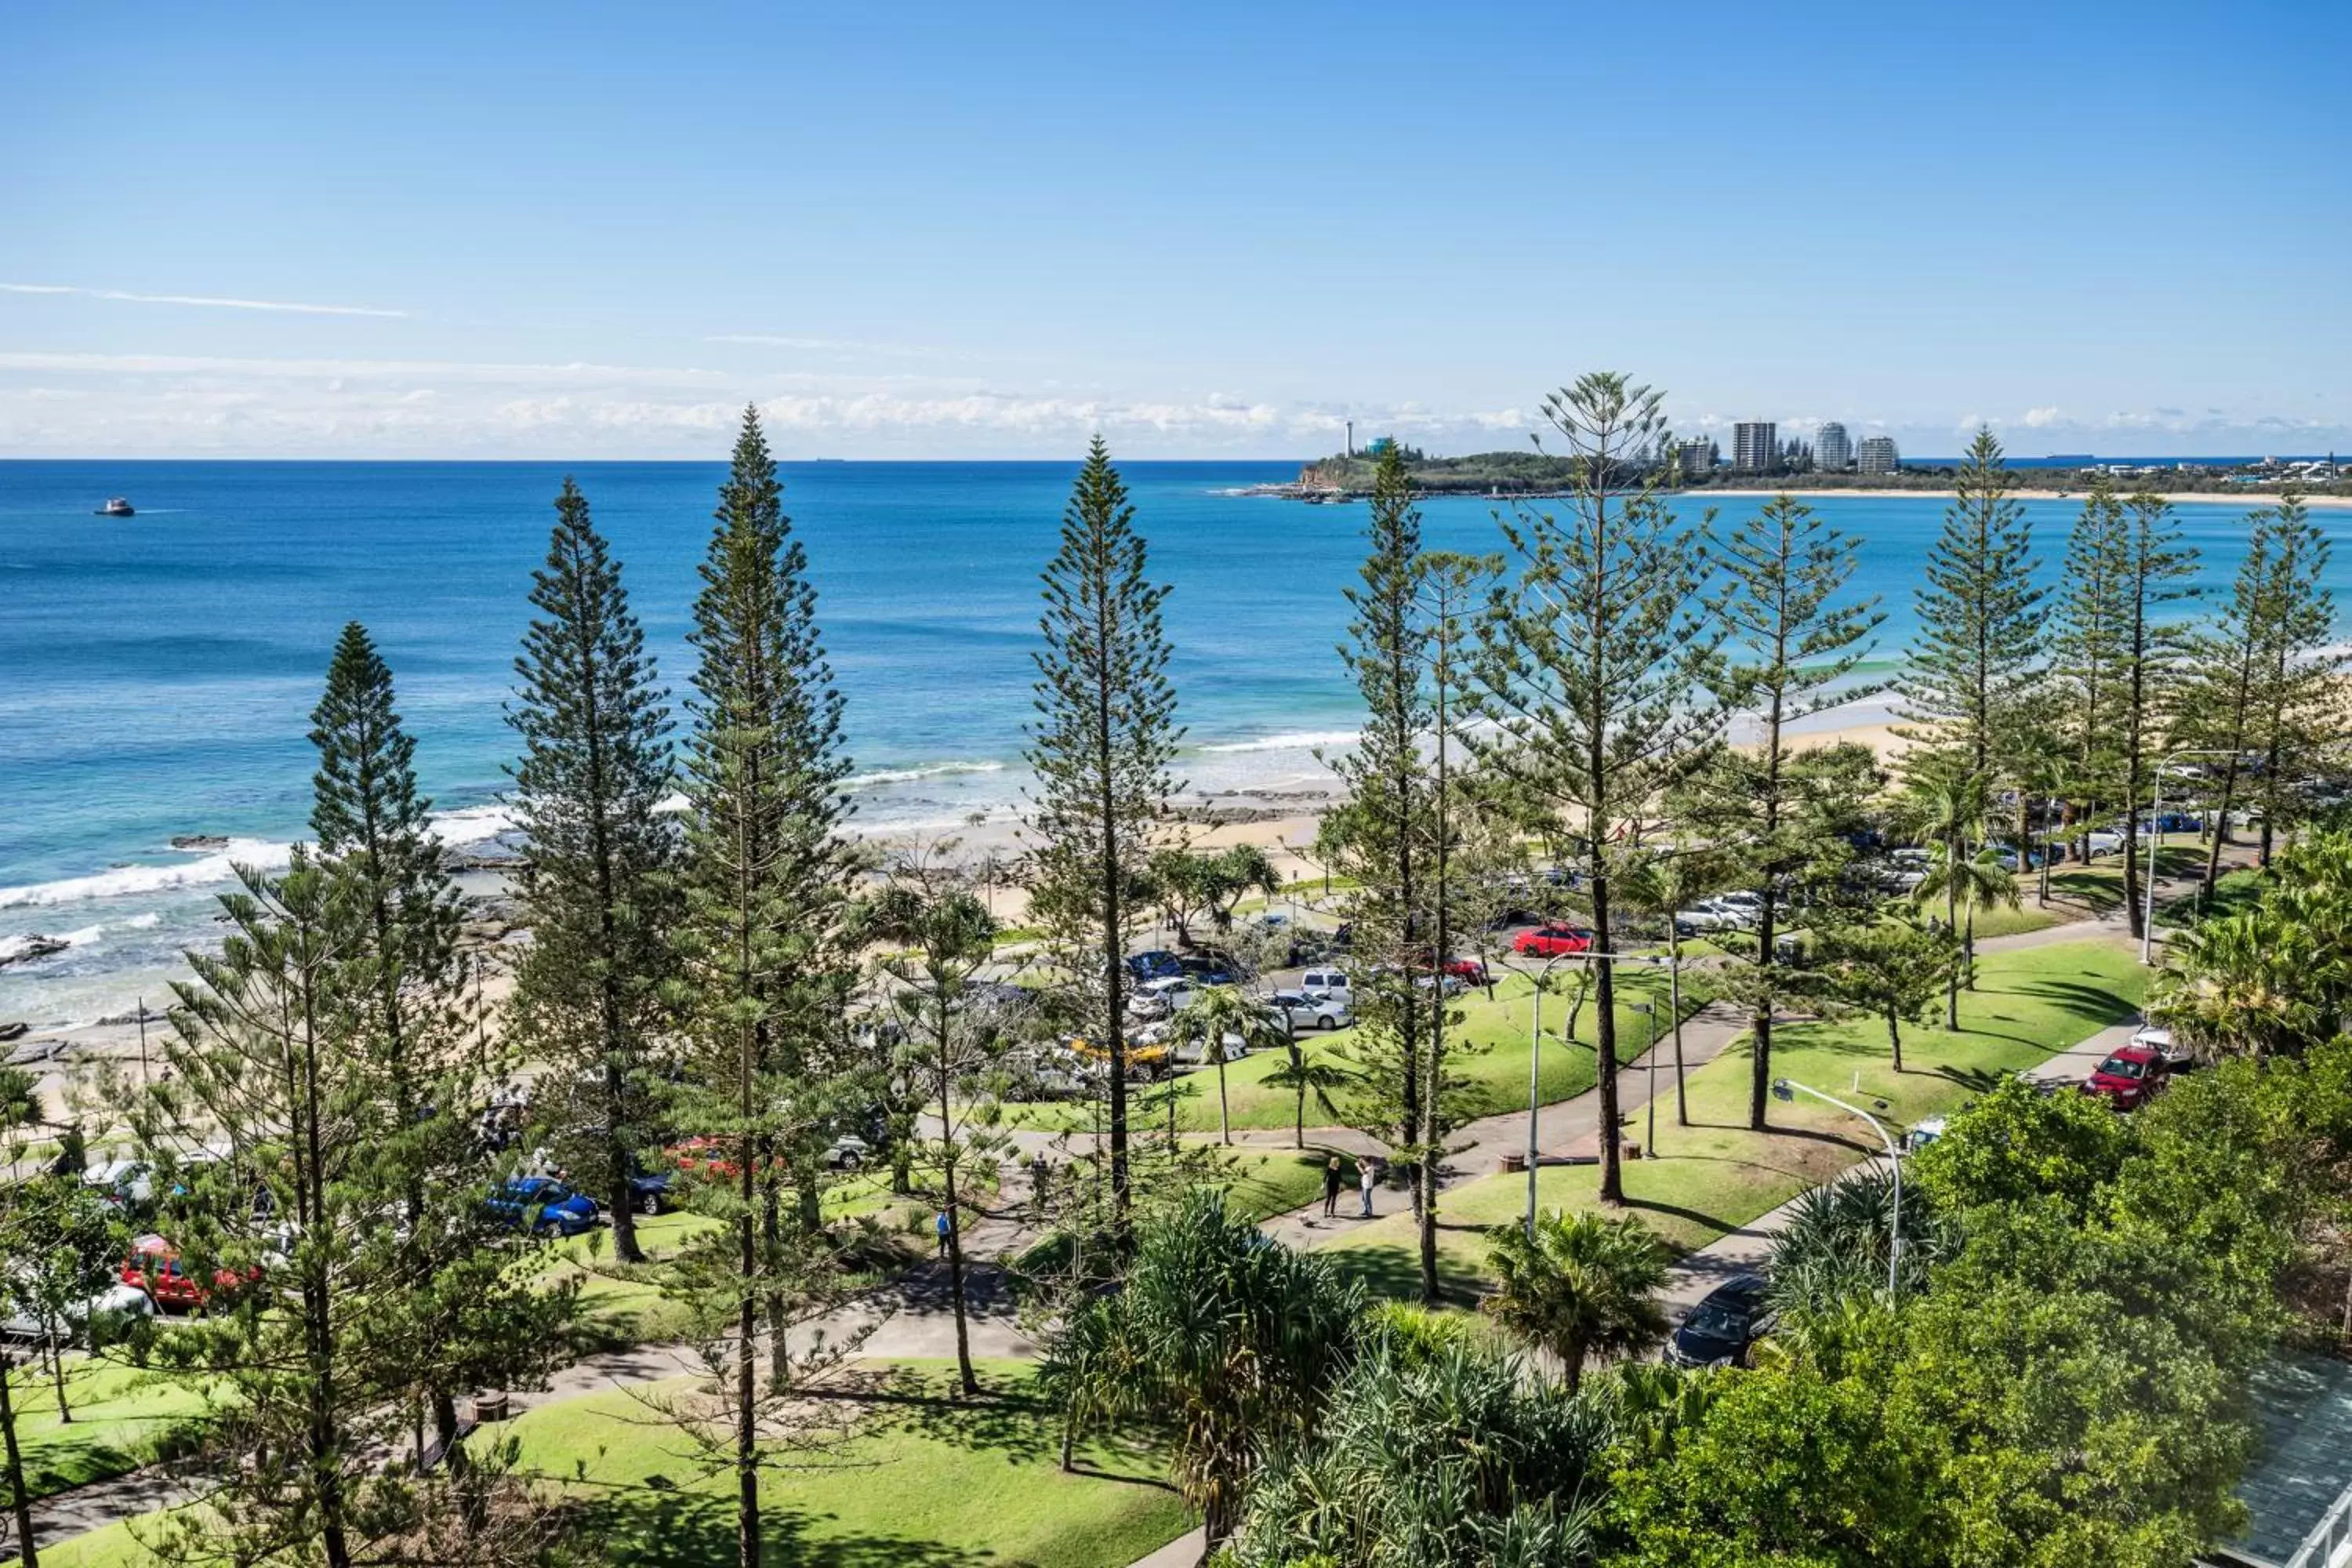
1328,983
543,1204
2159,1039
114,1305
1924,1131
1713,915
156,1272
1211,969
2129,1077
1469,970
1155,964
1552,942
1193,1053
1159,998
848,1152
1306,1012
2102,841
1724,1328
2180,822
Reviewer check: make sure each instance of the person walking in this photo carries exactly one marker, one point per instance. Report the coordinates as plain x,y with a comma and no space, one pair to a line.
945,1225
1364,1180
1331,1188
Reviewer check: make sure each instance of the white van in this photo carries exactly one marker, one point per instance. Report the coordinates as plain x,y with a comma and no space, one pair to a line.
1331,983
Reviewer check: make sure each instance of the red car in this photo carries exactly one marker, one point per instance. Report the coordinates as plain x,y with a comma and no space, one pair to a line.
1469,970
1550,942
154,1267
2129,1076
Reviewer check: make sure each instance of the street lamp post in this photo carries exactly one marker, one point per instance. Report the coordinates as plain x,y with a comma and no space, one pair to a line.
1649,1010
1785,1089
1535,1049
2155,838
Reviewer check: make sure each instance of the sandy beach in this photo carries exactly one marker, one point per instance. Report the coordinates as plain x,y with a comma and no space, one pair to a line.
2250,500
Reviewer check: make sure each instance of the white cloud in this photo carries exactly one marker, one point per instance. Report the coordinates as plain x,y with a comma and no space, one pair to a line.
2042,419
203,301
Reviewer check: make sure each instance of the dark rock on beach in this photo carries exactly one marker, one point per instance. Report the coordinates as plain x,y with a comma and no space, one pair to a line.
198,841
35,946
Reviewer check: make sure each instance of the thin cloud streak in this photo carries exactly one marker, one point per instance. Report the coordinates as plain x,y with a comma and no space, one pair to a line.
205,302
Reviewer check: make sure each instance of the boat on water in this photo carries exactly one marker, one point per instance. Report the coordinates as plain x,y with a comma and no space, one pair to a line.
116,506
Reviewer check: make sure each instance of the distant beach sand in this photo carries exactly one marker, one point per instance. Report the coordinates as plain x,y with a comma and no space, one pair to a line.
2178,498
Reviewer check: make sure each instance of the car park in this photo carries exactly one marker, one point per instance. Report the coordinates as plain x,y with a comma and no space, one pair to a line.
115,1305
1162,998
848,1152
1723,1329
1211,969
2102,841
2129,1077
543,1206
1552,942
1312,1012
2162,1041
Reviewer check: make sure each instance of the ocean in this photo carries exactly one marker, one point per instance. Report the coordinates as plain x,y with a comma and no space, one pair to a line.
157,672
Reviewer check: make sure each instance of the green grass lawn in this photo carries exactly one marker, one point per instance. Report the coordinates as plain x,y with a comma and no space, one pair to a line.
1716,1175
123,1418
921,1480
1494,1062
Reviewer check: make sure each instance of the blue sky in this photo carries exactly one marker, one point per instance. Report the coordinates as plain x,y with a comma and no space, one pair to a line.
926,230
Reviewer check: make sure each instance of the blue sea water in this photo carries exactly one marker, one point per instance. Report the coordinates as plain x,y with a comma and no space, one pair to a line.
157,672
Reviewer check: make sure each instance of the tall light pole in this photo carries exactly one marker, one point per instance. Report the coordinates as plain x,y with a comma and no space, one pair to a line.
2156,838
1784,1090
1535,1047
1649,1054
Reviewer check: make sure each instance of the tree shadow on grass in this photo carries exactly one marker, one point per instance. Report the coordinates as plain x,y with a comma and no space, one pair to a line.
649,1525
1393,1273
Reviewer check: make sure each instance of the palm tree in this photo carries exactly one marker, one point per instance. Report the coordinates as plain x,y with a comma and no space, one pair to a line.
1303,1074
2243,984
1977,883
1580,1284
1944,804
1222,1014
1227,1341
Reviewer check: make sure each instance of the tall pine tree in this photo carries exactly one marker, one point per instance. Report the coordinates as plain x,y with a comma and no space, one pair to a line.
588,790
374,832
1591,666
1973,664
762,941
1780,809
1100,748
2154,562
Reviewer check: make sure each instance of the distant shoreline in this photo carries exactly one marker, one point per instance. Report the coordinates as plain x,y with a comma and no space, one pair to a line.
2178,498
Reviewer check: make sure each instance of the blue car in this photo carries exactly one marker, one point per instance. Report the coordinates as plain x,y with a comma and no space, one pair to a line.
1154,966
545,1204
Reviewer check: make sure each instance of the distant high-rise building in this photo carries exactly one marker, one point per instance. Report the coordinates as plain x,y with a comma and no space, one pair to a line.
1877,455
1697,456
1832,453
1755,447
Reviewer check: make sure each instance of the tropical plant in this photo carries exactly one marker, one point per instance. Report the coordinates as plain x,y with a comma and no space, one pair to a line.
1435,1451
1834,1247
1977,882
1231,1340
1223,1014
1578,1285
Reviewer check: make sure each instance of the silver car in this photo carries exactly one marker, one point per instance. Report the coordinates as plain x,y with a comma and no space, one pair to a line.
1325,1011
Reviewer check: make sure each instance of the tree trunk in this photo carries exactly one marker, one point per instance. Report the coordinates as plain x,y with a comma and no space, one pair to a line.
1225,1114
747,1325
970,1383
22,1504
58,1377
1895,1039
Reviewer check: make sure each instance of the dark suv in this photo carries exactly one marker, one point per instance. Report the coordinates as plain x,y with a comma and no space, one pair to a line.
1722,1329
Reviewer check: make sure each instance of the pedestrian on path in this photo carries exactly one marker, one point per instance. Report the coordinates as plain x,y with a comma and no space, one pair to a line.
944,1224
1364,1180
1331,1188
1041,1187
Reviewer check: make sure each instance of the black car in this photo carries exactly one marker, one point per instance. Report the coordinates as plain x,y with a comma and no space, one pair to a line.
1211,968
1722,1329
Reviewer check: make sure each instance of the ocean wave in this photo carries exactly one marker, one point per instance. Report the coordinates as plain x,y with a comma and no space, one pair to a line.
473,824
1302,740
908,775
126,881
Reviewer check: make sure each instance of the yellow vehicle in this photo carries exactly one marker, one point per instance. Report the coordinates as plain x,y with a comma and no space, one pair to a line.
1143,1061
